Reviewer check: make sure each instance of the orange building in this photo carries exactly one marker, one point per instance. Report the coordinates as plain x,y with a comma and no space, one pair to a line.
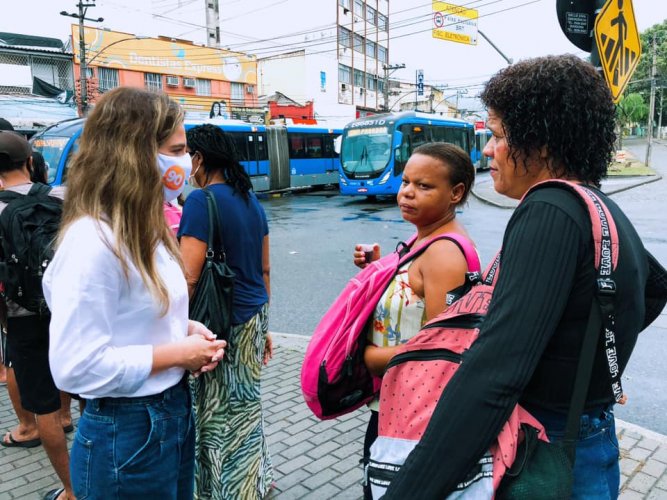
204,80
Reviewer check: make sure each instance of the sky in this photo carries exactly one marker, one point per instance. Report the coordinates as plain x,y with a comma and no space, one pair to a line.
520,28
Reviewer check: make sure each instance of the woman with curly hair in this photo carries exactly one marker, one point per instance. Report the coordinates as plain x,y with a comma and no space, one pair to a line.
552,118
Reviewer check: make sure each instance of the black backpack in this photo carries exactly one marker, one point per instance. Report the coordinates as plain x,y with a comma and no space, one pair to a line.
28,228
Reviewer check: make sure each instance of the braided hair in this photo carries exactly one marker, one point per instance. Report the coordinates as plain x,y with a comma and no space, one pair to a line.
219,155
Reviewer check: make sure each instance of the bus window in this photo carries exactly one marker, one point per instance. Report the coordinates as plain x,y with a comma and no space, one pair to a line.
297,145
262,152
52,150
313,146
458,136
328,146
241,143
68,163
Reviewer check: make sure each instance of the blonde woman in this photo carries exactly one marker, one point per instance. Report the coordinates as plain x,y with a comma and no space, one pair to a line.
119,332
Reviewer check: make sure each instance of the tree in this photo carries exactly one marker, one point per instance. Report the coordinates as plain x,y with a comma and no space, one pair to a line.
641,79
631,109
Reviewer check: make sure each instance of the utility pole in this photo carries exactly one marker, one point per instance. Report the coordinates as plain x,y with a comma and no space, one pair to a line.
212,23
660,113
81,16
388,70
651,106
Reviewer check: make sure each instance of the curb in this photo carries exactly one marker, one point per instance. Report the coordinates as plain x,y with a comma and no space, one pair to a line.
653,178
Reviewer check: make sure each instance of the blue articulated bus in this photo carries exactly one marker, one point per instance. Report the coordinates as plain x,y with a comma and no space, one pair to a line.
275,157
375,149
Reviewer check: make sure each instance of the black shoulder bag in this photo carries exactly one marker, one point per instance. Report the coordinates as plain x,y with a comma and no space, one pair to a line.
545,470
211,303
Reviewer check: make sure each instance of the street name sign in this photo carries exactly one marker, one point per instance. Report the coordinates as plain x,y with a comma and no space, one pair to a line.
454,23
618,44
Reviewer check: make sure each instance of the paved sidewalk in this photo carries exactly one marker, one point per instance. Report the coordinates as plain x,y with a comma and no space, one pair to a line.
320,460
483,188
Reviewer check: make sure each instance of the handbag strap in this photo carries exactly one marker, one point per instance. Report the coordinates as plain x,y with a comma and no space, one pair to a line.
215,242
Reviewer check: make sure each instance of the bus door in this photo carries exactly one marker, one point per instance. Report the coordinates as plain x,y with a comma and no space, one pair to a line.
329,153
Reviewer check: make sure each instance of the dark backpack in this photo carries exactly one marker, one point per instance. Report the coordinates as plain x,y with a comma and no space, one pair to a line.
28,228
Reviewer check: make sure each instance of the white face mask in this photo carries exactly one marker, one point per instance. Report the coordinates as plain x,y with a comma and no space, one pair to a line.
174,170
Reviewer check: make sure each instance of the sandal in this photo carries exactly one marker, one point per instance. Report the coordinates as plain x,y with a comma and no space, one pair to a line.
13,443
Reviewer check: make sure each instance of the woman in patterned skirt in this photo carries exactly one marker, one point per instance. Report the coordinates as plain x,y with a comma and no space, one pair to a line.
232,459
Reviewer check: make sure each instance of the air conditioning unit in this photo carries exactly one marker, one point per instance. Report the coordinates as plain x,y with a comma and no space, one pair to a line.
249,89
189,82
172,81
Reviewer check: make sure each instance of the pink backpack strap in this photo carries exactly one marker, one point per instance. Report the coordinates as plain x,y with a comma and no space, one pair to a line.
599,215
466,246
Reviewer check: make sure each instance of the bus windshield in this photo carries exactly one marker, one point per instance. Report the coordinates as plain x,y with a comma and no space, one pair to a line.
52,148
366,152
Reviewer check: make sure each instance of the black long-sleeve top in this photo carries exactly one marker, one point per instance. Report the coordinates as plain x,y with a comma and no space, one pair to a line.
530,341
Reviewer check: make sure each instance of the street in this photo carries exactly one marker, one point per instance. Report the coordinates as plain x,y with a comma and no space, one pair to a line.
313,234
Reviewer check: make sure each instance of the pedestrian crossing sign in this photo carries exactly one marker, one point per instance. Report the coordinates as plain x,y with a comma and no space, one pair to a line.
618,44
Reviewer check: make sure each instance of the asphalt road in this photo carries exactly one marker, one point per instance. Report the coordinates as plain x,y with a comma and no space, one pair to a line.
313,234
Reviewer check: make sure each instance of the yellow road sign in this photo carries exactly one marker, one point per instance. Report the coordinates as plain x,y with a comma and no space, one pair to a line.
618,44
454,23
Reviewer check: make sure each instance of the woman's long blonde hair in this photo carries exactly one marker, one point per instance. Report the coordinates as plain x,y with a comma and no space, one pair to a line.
115,178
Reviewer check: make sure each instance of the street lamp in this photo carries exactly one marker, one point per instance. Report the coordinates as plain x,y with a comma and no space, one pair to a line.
99,52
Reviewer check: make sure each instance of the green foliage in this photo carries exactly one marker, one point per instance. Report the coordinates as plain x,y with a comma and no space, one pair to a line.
641,78
631,109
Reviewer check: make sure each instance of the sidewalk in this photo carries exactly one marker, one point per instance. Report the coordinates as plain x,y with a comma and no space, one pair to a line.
483,188
320,460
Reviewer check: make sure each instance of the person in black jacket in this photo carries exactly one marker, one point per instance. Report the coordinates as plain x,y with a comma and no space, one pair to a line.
551,117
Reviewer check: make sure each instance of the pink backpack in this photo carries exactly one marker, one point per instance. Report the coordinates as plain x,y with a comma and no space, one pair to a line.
334,378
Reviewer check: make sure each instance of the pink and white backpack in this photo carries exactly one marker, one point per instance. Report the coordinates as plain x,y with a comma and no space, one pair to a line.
334,378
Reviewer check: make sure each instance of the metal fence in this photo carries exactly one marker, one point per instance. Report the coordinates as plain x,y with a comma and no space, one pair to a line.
52,69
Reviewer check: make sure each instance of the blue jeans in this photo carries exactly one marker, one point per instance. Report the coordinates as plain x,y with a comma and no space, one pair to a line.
596,468
135,447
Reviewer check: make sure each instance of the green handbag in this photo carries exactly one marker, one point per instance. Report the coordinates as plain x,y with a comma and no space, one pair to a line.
541,470
211,304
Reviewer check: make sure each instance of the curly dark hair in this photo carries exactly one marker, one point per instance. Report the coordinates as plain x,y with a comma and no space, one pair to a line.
559,102
219,154
455,159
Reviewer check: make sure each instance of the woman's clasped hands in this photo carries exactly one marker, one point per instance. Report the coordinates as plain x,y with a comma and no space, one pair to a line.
204,350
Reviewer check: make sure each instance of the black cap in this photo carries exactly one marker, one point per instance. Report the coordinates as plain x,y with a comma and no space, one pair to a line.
5,125
14,146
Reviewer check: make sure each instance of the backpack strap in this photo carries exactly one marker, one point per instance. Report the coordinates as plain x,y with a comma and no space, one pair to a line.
464,244
601,316
40,188
37,188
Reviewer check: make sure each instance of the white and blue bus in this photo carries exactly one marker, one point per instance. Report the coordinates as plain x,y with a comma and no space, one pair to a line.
375,149
480,161
275,157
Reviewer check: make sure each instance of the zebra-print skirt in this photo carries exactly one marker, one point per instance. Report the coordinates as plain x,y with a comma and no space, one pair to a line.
232,458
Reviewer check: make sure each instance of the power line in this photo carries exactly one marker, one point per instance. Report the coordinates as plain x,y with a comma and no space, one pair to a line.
328,39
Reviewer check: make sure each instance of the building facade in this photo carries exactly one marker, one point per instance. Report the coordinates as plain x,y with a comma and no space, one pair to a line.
206,81
363,53
36,81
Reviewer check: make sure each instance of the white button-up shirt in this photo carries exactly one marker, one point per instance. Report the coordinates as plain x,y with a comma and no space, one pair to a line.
104,324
